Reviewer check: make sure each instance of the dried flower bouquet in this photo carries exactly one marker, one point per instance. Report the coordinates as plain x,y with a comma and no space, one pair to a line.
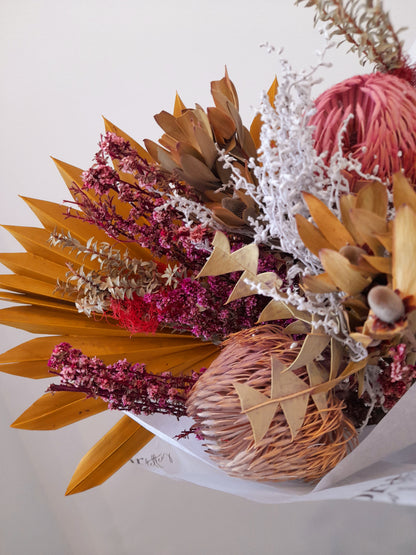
261,281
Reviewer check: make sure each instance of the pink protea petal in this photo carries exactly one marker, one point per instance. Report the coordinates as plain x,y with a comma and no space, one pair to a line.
382,135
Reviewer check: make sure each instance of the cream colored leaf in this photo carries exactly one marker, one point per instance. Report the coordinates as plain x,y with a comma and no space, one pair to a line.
318,375
242,289
222,261
312,347
275,310
285,383
373,197
260,418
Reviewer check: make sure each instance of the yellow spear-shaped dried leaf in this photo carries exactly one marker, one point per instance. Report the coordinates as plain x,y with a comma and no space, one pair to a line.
30,286
312,346
403,192
367,226
222,261
321,283
311,236
373,197
30,265
256,124
35,241
179,106
380,263
345,276
43,320
328,224
70,174
134,144
109,454
53,216
286,383
38,301
404,249
260,418
57,409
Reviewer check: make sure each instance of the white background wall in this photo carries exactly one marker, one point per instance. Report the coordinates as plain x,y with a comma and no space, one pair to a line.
63,64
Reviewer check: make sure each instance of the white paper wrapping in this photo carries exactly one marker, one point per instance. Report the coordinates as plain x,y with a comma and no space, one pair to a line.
381,468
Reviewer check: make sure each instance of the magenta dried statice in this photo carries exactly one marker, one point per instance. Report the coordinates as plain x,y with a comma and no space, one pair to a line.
140,187
124,386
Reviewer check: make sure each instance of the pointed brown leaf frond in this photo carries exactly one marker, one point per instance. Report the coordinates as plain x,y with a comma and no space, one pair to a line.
403,192
58,409
109,454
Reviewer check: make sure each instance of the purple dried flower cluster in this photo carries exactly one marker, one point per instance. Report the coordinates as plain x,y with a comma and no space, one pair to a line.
396,379
141,192
124,386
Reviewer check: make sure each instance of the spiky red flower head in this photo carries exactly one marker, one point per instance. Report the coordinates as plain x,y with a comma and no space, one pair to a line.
382,133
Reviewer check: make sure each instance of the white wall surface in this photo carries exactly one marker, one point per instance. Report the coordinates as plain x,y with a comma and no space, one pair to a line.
63,64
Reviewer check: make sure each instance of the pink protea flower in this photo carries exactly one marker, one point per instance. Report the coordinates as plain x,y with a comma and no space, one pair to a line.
382,133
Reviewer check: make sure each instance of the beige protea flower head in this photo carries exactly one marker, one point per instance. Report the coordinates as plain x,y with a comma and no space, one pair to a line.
323,438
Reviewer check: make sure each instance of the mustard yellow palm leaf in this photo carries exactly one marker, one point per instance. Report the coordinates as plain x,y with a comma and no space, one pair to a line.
58,409
35,241
109,454
30,286
32,266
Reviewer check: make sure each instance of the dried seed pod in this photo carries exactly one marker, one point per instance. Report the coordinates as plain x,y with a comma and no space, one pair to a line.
385,304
